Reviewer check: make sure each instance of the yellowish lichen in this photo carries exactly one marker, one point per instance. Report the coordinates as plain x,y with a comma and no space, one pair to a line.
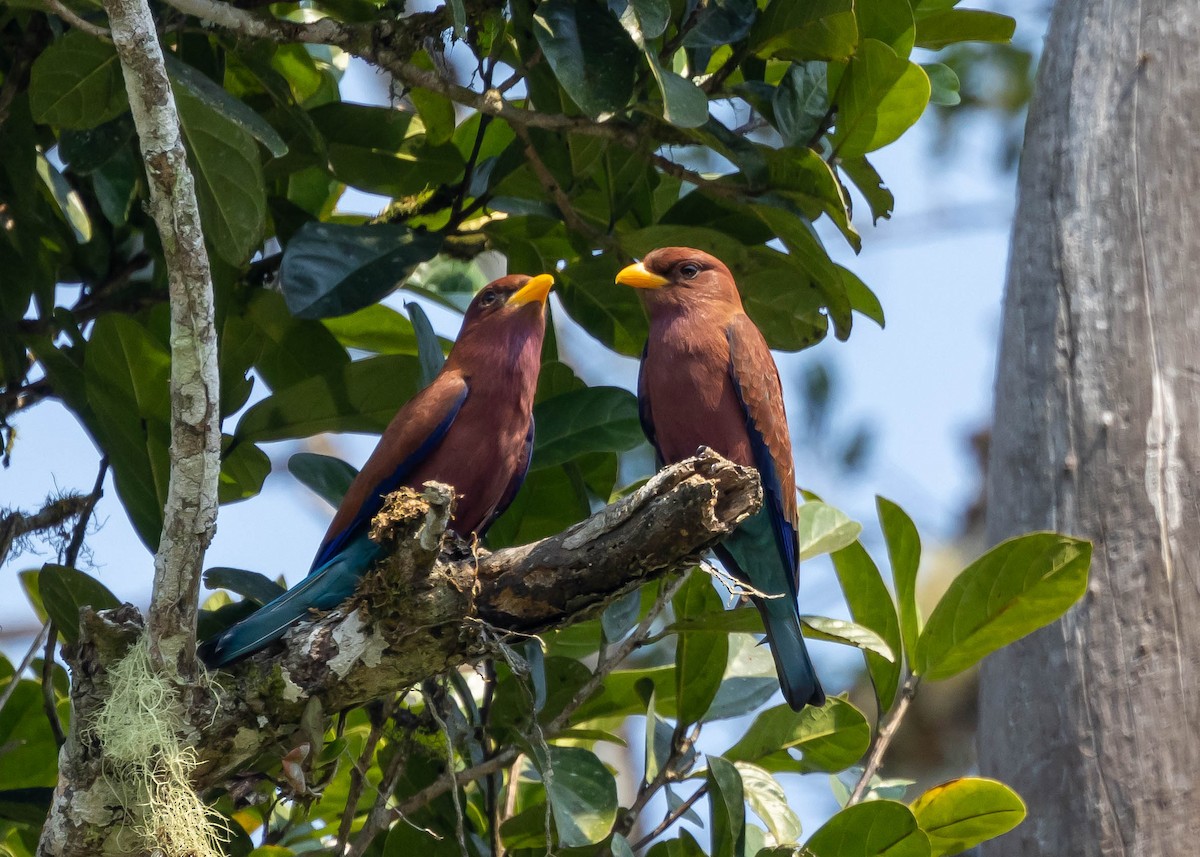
139,727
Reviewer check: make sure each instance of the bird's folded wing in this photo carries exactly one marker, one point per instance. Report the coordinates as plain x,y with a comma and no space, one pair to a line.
756,380
410,437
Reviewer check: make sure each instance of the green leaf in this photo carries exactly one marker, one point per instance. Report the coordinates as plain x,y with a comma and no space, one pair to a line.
720,22
684,846
1018,586
202,88
818,30
327,477
880,96
359,396
870,185
429,347
594,419
65,590
127,373
830,738
28,752
904,551
331,269
684,104
801,101
549,501
621,615
889,21
823,529
943,84
700,658
862,299
870,604
248,584
620,846
769,802
728,809
582,794
29,806
962,813
650,17
244,468
375,328
76,83
590,52
848,634
229,179
878,828
746,620
950,26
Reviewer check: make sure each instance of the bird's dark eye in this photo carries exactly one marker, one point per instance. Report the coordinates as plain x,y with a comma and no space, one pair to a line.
488,298
689,270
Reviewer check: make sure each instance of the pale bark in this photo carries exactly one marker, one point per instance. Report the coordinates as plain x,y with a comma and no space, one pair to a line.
190,513
432,605
1095,719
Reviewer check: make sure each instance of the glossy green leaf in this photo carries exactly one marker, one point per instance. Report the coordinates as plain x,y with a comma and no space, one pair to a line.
549,501
128,374
331,269
27,806
650,17
870,185
862,299
218,99
870,604
950,26
904,551
582,794
429,347
880,96
65,590
878,828
282,348
76,83
594,419
684,104
800,102
360,396
244,468
769,802
28,752
821,528
749,681
720,22
727,813
590,52
249,584
700,657
620,617
685,845
229,179
327,477
829,738
960,814
818,30
1018,586
944,84
746,620
888,21
375,328
86,150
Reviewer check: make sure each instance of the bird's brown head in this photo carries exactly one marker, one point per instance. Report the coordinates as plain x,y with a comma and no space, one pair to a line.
507,317
679,277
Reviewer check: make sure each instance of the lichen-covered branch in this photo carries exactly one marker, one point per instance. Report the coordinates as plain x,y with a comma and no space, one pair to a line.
434,603
190,513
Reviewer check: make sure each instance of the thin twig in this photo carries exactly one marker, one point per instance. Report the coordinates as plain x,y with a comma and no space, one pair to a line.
64,12
562,201
431,702
883,738
14,525
379,817
49,700
671,817
24,665
358,774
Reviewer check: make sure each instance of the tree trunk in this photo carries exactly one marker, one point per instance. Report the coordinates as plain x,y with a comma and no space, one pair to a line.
1096,720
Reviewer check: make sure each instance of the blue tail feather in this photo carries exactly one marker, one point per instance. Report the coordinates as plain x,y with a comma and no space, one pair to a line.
752,554
324,589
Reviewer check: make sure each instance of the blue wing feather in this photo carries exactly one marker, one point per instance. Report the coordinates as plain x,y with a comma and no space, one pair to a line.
362,520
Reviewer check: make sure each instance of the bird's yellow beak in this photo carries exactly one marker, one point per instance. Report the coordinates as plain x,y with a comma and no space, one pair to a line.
637,276
537,289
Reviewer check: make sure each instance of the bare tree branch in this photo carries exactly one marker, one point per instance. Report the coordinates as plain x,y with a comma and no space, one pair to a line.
190,513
